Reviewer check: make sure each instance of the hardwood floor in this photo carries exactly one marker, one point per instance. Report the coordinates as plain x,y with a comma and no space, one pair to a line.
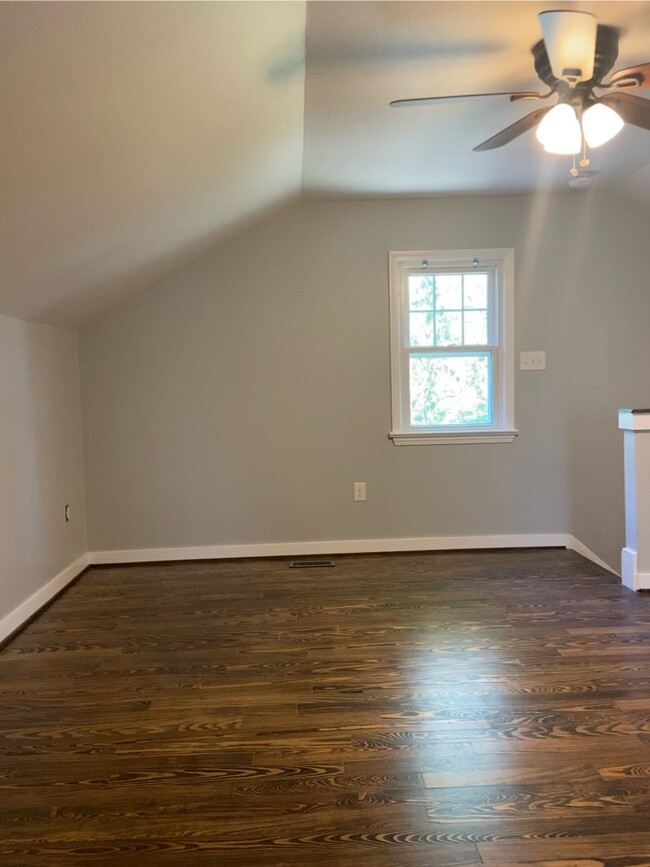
416,710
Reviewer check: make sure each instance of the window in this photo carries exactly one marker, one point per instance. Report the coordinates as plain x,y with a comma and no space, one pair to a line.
452,353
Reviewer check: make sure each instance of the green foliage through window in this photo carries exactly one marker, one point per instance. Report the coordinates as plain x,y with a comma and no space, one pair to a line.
449,309
450,389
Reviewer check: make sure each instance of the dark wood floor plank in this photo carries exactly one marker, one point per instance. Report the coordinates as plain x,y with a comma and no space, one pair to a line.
406,710
573,801
390,849
609,850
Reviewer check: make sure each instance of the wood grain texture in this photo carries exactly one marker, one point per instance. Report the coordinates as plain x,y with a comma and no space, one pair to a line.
409,710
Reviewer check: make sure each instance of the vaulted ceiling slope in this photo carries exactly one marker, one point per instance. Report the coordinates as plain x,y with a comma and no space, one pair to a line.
133,136
137,135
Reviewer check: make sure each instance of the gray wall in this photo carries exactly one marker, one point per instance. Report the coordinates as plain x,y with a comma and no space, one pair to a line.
238,400
41,458
609,308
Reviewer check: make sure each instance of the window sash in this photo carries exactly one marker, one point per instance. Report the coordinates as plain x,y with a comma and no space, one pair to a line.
492,305
489,354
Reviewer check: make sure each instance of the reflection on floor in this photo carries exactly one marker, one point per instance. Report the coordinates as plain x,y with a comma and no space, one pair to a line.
407,710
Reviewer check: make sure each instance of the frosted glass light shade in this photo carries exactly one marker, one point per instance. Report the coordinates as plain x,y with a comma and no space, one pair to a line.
600,123
559,131
570,41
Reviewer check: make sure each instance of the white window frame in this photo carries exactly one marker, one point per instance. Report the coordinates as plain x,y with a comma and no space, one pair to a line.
500,262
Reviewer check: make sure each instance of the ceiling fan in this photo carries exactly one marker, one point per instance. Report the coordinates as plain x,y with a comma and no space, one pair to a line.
573,60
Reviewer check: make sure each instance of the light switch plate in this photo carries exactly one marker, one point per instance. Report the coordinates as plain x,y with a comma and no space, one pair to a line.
532,360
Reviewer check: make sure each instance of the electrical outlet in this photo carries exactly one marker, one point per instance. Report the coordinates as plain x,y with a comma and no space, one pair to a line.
359,492
532,360
67,513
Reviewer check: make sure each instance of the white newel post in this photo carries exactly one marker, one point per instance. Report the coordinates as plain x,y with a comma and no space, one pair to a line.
635,557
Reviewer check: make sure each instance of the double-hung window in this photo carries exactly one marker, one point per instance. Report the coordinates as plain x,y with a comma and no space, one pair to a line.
452,353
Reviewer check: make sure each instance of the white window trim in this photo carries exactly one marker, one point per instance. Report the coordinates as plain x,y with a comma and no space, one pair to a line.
503,429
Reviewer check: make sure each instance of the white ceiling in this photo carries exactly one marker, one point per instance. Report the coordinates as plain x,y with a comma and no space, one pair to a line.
136,135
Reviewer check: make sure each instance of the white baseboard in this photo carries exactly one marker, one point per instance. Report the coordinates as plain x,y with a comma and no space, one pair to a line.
632,578
349,546
576,545
340,546
15,619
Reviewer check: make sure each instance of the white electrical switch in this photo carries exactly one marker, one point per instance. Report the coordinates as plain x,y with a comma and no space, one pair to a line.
359,492
532,360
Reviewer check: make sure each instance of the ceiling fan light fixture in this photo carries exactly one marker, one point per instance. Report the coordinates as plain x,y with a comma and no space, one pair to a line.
600,123
573,59
559,131
570,40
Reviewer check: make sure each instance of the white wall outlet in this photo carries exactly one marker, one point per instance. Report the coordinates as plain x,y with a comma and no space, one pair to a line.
359,492
532,360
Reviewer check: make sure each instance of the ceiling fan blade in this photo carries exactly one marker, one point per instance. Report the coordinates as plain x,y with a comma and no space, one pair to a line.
632,77
633,109
425,100
511,132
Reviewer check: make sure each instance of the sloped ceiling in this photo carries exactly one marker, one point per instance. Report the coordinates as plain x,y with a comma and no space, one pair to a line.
136,135
133,135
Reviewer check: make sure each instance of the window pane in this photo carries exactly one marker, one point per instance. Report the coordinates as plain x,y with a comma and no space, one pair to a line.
475,290
449,294
449,329
450,389
421,329
476,331
420,292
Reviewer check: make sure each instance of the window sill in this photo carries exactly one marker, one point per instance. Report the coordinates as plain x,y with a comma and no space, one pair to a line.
429,438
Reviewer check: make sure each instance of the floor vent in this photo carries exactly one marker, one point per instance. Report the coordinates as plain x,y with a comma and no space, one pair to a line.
310,564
